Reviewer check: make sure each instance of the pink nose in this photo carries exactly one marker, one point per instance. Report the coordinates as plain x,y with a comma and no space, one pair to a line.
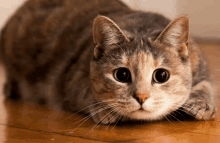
141,97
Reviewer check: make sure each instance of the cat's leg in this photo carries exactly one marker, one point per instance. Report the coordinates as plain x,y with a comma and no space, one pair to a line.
201,103
11,89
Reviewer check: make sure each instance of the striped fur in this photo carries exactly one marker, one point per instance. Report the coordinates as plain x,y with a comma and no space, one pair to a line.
64,53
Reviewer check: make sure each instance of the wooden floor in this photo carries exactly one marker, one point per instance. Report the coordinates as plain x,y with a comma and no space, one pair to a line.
26,122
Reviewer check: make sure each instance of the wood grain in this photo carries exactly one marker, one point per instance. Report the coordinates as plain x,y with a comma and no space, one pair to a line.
22,121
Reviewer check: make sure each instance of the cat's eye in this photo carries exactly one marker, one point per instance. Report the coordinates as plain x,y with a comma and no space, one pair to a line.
161,75
122,75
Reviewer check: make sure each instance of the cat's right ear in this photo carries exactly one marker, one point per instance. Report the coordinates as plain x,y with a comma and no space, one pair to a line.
105,34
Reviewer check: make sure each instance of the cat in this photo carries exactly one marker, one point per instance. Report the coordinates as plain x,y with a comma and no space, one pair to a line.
105,59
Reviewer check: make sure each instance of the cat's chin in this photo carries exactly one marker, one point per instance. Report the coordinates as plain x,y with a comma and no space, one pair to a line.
145,115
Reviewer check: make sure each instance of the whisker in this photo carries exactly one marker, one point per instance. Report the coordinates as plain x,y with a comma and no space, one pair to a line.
98,108
187,113
189,106
92,114
193,115
89,116
116,114
179,113
101,120
176,118
119,118
114,111
88,107
168,119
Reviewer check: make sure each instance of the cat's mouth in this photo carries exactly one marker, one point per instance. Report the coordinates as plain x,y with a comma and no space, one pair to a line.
143,114
141,110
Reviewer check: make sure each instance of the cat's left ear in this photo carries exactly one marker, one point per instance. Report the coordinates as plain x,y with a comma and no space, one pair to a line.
176,35
106,33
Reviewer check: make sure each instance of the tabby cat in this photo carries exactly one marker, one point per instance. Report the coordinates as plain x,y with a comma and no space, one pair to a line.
105,59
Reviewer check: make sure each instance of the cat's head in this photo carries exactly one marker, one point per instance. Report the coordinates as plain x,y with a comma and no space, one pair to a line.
138,77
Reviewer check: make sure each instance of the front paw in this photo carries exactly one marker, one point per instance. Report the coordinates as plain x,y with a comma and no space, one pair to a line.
104,116
200,110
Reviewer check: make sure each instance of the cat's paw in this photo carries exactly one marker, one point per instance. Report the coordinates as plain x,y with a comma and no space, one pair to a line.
105,117
200,110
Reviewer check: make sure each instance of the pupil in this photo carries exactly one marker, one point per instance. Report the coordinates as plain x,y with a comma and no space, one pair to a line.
161,76
122,74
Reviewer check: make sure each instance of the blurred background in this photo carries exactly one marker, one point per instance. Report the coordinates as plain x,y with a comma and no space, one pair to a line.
204,14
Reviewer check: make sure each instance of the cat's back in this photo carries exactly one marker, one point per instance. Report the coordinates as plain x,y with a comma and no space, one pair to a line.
43,32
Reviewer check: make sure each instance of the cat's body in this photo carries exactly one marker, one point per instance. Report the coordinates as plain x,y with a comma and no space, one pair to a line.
49,56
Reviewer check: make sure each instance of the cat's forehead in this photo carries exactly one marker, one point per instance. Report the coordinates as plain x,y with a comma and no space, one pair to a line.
141,50
142,54
139,53
142,59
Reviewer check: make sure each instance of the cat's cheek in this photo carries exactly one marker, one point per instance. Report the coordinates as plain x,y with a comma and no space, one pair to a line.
166,106
174,102
105,96
158,108
149,105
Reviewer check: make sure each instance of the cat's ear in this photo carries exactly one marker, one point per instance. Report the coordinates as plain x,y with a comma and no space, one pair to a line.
105,34
175,35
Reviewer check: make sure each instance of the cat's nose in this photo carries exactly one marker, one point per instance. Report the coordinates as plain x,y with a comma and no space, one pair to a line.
141,97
